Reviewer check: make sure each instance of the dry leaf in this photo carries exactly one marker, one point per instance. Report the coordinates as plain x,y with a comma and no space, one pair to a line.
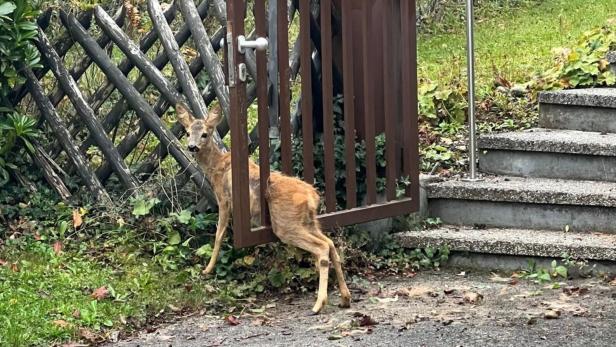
551,314
57,247
60,323
365,320
232,320
472,297
88,335
100,293
14,267
77,314
613,282
77,220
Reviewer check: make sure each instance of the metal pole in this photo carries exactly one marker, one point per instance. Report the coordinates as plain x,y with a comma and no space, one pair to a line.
470,56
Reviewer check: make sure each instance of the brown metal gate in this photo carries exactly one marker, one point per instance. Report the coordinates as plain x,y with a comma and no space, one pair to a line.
370,47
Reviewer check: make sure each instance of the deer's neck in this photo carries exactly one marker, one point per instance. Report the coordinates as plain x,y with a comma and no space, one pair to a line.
213,162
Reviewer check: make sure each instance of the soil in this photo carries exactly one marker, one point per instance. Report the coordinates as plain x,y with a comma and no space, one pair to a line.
446,308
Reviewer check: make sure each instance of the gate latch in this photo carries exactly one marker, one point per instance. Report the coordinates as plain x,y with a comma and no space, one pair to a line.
260,44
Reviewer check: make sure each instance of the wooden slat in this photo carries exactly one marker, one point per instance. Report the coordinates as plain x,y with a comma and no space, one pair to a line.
57,126
137,57
284,101
70,88
211,61
262,100
328,104
348,57
126,66
410,160
82,65
136,101
239,150
368,107
306,102
389,103
189,86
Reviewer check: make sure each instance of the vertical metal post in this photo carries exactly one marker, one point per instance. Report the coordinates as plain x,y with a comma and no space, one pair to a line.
470,56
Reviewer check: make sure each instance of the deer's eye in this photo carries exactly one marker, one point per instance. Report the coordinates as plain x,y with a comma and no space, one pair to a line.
204,135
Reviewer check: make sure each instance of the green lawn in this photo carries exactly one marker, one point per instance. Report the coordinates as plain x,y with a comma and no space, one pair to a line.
515,42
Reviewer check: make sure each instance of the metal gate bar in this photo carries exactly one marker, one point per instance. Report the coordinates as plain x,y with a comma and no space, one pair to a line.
348,57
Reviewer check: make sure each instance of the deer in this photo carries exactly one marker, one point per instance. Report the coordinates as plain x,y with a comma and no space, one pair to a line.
293,204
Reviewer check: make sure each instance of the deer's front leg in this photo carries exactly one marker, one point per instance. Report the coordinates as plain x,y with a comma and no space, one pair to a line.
224,212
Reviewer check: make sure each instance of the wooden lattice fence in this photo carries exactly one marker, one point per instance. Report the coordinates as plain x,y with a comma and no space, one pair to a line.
79,121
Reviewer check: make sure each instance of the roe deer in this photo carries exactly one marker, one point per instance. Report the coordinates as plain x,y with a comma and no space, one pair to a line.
292,203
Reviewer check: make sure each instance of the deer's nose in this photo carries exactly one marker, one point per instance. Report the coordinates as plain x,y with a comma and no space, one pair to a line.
193,148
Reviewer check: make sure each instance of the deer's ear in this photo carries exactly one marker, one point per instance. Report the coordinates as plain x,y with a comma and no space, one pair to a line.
214,115
184,116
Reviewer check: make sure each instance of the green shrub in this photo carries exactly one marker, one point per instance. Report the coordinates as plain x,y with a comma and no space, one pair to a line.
17,31
583,65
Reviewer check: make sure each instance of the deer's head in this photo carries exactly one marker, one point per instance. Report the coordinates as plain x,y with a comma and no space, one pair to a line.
199,131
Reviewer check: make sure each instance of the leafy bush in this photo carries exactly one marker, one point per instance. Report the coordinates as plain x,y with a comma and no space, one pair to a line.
14,129
17,30
583,65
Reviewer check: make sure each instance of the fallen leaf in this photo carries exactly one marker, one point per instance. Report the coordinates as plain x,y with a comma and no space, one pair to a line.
449,291
88,335
60,323
232,320
613,282
74,344
531,321
174,308
100,293
166,337
355,332
335,337
383,300
14,267
77,219
551,314
365,320
414,292
472,297
77,314
57,247
37,236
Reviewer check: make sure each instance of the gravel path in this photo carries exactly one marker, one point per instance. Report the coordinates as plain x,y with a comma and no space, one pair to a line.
432,309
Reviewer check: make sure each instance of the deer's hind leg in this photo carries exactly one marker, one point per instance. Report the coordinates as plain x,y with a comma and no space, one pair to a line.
320,249
345,294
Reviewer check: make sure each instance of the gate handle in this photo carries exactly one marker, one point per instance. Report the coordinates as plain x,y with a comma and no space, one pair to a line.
260,44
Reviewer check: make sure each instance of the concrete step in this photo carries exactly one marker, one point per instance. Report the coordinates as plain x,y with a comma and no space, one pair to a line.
528,203
592,109
515,242
566,154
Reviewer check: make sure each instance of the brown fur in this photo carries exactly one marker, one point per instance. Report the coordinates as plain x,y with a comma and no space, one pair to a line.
292,204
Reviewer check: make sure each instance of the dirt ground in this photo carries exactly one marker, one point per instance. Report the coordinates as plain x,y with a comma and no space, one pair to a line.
446,308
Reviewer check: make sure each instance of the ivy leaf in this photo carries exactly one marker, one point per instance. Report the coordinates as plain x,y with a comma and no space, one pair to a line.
175,238
276,278
205,250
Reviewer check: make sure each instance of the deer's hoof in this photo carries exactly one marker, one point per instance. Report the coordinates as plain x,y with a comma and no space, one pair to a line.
312,313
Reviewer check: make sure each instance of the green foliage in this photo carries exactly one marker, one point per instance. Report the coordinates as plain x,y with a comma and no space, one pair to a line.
583,65
14,129
17,31
541,275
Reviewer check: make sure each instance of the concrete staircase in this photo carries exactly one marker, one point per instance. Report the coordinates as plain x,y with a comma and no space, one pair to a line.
546,192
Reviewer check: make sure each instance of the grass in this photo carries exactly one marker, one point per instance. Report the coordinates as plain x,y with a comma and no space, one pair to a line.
46,297
513,42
